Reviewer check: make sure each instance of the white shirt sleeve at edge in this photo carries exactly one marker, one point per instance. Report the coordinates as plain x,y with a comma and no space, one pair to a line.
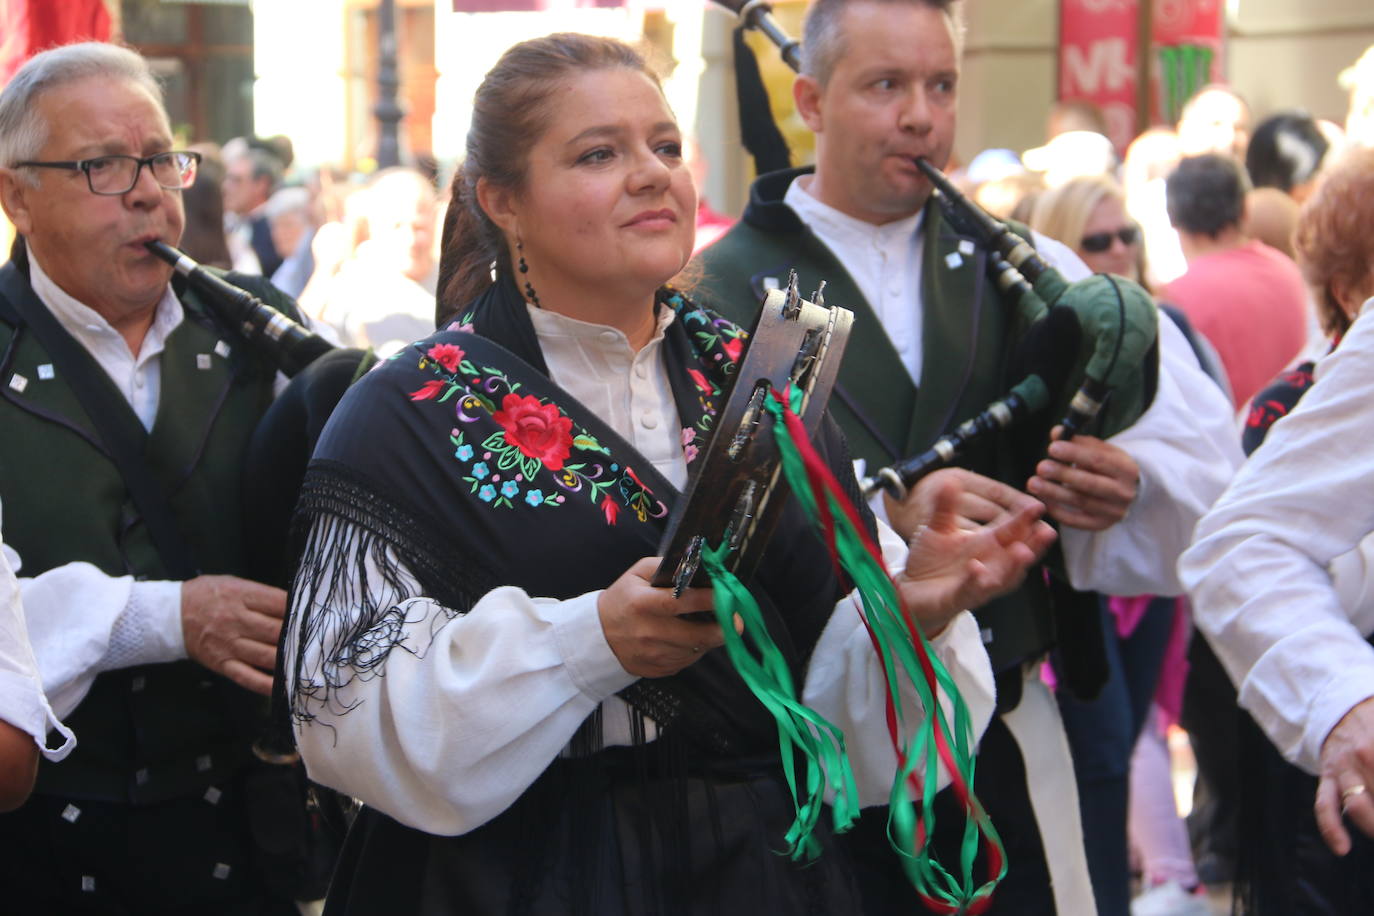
22,701
1187,449
456,728
1258,571
82,622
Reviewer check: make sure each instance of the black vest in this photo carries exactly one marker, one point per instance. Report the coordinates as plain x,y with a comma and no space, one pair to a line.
155,731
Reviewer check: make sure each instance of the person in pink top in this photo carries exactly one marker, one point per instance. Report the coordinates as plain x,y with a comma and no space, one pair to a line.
1248,299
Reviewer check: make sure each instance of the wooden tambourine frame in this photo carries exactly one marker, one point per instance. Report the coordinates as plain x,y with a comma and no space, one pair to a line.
737,491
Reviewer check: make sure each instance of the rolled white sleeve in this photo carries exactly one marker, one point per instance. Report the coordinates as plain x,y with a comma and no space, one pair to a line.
460,724
845,684
1187,449
82,622
23,703
1259,571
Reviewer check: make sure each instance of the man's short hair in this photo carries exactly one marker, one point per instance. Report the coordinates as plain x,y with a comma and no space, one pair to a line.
22,131
1285,151
1206,194
823,39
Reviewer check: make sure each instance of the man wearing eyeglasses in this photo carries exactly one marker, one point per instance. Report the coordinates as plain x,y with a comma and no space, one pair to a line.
879,87
158,677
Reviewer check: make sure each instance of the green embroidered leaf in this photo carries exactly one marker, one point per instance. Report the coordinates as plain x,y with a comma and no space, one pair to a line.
589,444
452,390
508,459
529,466
496,441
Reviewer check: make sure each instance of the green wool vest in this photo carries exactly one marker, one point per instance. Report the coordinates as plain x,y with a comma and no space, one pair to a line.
159,731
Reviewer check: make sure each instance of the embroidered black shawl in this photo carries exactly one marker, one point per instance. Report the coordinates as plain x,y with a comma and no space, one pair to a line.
462,457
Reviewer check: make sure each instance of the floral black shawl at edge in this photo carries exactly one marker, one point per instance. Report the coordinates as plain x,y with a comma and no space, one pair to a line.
463,459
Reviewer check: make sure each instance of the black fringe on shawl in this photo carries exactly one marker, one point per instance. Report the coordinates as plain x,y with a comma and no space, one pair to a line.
341,524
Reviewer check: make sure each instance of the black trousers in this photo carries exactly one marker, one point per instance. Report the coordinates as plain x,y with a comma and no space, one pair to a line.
186,857
1001,786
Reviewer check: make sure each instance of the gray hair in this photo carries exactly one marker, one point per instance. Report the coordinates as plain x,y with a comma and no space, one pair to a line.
823,39
288,201
263,164
22,131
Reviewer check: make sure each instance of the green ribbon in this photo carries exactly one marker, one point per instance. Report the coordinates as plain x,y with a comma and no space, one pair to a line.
802,732
896,637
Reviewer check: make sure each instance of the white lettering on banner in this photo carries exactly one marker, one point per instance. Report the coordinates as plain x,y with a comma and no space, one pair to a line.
1102,65
1105,6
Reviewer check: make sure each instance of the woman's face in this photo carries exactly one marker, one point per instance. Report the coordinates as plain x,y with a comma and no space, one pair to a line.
608,206
1107,223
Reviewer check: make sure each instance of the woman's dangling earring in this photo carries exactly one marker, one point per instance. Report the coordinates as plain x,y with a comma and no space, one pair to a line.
524,268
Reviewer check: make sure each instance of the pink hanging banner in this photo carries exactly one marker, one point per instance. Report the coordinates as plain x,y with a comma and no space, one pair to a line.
1187,49
1098,44
1097,60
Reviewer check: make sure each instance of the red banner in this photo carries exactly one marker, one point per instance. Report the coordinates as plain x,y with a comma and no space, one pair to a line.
1098,46
30,26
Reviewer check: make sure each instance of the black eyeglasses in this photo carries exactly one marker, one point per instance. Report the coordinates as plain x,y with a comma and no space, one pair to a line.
1099,242
115,175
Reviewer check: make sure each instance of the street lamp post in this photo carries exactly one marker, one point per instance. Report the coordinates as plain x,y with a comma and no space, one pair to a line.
387,111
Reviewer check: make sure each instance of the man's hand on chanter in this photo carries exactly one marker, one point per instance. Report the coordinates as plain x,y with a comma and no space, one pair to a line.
953,564
1085,482
231,626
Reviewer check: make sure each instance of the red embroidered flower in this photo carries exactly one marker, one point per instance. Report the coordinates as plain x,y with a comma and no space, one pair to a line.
610,508
538,430
635,477
446,355
701,381
428,391
732,348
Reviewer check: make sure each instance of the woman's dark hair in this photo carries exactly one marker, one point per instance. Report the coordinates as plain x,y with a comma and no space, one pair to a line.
1286,150
203,237
509,114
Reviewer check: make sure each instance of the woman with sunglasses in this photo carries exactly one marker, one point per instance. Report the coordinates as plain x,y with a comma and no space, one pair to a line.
1089,214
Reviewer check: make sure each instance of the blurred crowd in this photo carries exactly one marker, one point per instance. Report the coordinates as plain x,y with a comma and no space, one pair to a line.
358,252
1220,217
1253,236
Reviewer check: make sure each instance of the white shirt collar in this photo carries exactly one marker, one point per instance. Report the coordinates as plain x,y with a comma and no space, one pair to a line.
84,322
549,323
825,220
